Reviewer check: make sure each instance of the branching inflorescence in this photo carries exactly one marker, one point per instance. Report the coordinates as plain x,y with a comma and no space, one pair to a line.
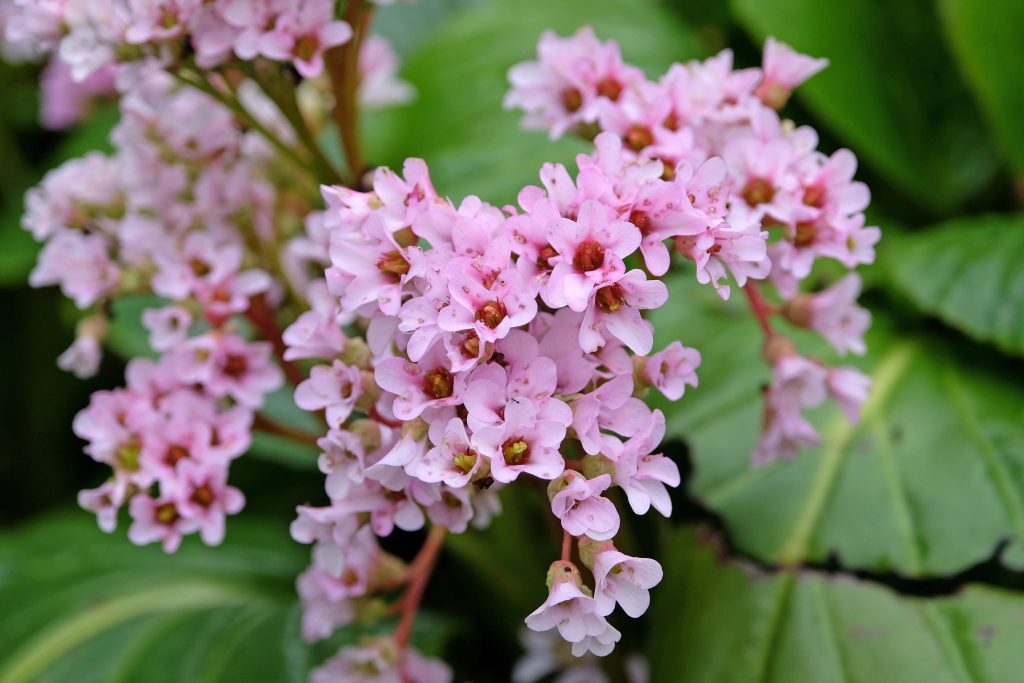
450,349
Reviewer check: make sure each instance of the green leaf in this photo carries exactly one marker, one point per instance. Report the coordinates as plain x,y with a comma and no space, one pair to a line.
719,622
927,483
457,123
967,272
891,92
126,336
986,41
91,607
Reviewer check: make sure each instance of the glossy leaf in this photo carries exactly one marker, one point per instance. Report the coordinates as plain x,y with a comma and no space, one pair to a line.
968,273
929,482
85,606
457,123
723,622
986,40
891,92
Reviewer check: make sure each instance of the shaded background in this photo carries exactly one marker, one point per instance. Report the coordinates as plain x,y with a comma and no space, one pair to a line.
922,501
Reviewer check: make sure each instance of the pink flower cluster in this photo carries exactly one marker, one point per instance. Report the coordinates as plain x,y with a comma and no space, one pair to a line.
170,437
166,214
499,344
91,34
775,203
450,349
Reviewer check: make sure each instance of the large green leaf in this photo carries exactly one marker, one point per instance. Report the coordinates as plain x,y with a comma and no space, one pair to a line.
928,483
457,122
719,622
968,273
986,41
891,92
83,606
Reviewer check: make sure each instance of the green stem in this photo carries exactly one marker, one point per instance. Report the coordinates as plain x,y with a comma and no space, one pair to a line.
201,83
288,105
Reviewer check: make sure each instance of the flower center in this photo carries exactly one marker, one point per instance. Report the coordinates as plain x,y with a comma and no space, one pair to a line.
589,256
306,47
166,514
572,99
515,450
805,234
638,137
392,263
439,383
610,299
641,220
758,191
491,314
235,365
610,88
545,255
175,454
128,455
203,496
814,196
465,461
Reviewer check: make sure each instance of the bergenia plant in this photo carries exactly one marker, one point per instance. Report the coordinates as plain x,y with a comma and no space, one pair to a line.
449,348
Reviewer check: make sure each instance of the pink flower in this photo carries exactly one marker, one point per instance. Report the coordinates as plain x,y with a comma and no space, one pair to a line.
615,310
316,333
303,33
850,388
625,580
524,443
418,386
227,365
453,460
784,69
560,91
797,383
835,315
80,264
335,388
490,308
611,407
82,358
642,475
590,252
672,369
577,502
661,210
168,326
379,85
104,501
573,613
203,497
378,662
66,101
158,520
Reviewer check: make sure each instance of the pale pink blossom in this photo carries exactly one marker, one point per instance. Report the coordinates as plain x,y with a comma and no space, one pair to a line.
334,388
672,369
583,511
784,69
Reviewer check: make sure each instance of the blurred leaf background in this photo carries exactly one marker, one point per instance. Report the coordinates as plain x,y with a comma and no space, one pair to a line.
891,553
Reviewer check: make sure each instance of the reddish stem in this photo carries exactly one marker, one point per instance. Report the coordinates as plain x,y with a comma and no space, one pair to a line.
760,307
574,465
566,546
377,417
343,66
262,317
419,575
271,426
